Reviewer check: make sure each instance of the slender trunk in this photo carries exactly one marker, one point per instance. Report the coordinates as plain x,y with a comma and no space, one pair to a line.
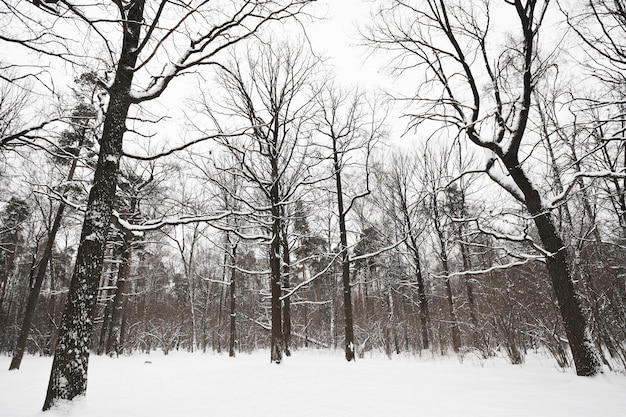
286,307
35,289
392,334
419,278
469,287
68,377
276,353
108,310
192,310
114,346
345,262
585,358
233,302
421,294
454,326
333,311
217,345
11,249
218,328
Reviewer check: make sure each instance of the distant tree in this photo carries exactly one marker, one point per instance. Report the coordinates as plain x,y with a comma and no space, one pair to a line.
347,126
270,92
12,219
435,172
407,196
72,142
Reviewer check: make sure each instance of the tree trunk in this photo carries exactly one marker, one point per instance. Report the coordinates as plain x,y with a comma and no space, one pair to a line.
276,353
286,307
419,278
454,326
469,288
345,262
585,358
114,341
35,289
68,377
233,300
421,294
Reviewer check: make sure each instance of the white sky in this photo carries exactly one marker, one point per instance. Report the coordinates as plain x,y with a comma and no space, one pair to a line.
338,37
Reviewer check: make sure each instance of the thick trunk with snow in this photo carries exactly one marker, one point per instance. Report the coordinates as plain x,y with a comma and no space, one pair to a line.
585,357
68,377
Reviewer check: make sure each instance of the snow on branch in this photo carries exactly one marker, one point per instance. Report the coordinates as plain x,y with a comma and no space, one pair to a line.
521,238
486,270
187,145
334,258
559,198
22,133
501,180
379,251
172,221
242,24
313,278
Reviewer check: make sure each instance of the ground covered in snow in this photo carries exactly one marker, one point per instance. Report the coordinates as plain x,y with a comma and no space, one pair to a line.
319,384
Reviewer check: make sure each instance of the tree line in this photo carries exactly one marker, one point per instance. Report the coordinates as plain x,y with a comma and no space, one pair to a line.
279,208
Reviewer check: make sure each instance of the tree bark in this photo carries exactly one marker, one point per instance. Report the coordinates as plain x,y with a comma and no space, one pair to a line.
233,300
345,261
276,354
585,358
68,377
286,307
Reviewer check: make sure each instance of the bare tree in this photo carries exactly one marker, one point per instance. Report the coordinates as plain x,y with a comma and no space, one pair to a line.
407,193
138,34
450,41
348,125
77,136
270,92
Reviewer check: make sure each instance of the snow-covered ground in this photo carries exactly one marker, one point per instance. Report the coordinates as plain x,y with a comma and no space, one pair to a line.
319,384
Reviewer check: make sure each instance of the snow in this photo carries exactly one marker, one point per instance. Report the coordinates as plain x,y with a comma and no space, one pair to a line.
316,383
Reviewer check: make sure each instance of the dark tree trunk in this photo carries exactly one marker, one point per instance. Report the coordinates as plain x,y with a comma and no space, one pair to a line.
35,289
469,288
421,294
286,307
419,278
423,304
345,262
233,300
585,358
276,354
454,326
68,377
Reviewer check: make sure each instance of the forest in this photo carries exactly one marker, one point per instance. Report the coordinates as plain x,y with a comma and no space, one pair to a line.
198,175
